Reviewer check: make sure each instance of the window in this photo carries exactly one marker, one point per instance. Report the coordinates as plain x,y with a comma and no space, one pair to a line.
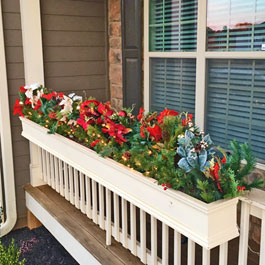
173,84
208,57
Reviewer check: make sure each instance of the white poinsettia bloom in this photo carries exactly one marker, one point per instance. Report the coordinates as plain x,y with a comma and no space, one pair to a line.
67,105
74,97
77,98
30,89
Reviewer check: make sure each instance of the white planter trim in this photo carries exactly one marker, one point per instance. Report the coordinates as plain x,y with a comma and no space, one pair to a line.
206,224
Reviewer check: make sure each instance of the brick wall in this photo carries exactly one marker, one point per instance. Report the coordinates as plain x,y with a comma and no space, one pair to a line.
115,53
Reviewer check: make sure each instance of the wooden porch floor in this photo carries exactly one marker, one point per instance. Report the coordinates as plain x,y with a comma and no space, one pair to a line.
93,238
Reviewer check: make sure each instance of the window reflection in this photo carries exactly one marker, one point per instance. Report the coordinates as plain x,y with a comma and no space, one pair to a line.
235,25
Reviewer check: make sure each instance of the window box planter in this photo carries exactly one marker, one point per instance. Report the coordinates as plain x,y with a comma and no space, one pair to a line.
209,225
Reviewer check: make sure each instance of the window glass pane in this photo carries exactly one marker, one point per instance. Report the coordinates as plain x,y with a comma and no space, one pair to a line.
173,84
235,25
236,103
173,25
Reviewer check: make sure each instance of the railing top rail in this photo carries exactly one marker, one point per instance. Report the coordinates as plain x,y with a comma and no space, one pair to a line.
256,198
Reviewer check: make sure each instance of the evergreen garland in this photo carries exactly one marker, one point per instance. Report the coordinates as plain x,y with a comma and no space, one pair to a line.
166,146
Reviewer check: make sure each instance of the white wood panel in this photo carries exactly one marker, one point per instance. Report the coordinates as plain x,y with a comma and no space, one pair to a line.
76,185
244,232
206,257
177,248
153,240
56,174
108,212
101,207
88,198
116,218
94,202
164,244
191,252
52,171
66,181
124,223
71,184
61,177
133,229
143,236
82,193
223,254
262,240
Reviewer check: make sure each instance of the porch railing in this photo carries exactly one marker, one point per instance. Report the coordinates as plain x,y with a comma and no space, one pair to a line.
151,240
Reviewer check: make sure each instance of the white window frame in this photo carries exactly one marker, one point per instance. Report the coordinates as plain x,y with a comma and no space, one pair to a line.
201,55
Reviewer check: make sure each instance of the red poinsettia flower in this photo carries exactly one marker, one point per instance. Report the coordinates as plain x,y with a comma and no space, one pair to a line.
155,132
93,144
52,115
88,107
164,113
122,113
140,115
186,121
142,132
22,89
18,108
50,96
38,105
82,123
105,109
117,131
27,101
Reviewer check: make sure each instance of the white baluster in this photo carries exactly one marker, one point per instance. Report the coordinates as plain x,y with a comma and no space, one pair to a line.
153,240
143,236
40,162
206,256
262,240
52,171
108,213
223,254
76,184
116,218
244,231
61,178
177,248
164,244
124,224
191,252
133,229
94,201
48,168
71,182
88,198
82,193
43,163
56,170
66,181
101,207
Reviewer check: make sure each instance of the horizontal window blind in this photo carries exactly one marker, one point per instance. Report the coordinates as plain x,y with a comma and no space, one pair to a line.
173,25
235,25
236,103
173,84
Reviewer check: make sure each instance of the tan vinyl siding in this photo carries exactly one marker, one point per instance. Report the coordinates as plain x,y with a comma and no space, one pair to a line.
15,75
74,46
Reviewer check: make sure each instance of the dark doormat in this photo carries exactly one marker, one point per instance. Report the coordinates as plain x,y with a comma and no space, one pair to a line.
39,247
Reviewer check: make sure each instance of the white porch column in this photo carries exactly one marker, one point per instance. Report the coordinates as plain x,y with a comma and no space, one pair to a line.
33,65
32,41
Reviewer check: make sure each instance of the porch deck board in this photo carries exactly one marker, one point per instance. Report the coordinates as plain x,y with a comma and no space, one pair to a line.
93,238
81,228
